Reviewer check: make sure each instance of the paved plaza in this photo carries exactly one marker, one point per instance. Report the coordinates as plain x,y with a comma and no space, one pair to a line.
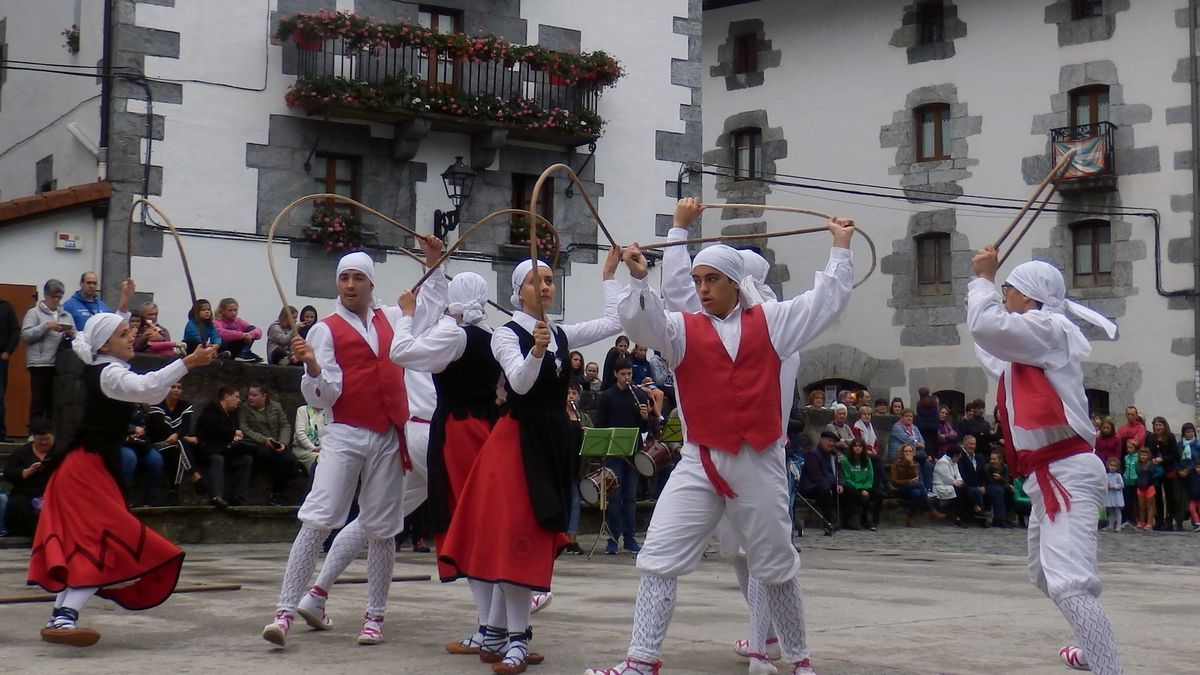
931,600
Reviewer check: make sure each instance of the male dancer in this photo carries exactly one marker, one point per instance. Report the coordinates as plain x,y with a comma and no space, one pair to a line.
348,372
1025,340
733,460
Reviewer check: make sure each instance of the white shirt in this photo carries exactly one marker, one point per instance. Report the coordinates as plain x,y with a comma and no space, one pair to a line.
522,370
945,475
118,382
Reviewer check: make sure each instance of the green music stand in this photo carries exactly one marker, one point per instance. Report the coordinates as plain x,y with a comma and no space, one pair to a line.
672,431
607,442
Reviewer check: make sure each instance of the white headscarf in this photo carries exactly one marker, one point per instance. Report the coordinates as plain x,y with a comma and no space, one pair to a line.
468,294
518,278
360,262
1042,282
96,332
728,261
755,281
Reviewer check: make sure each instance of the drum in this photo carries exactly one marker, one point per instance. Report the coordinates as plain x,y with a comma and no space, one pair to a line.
600,479
652,459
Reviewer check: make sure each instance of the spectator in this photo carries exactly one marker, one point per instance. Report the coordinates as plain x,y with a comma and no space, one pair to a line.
816,399
221,440
863,428
904,431
1189,455
577,422
1172,495
154,338
10,334
948,485
623,405
279,337
819,481
859,477
1021,504
896,406
307,442
308,318
971,467
619,350
237,335
576,365
643,378
87,302
1129,463
974,423
997,488
169,428
1148,473
881,406
926,419
848,399
265,427
1108,445
200,329
137,454
1133,428
590,387
862,397
1097,419
1114,497
664,378
28,472
43,330
946,434
906,479
840,428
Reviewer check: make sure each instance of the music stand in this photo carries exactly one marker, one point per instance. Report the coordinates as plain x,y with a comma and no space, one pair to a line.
607,442
672,431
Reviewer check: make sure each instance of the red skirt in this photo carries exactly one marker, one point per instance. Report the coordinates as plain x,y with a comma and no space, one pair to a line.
86,537
494,535
464,438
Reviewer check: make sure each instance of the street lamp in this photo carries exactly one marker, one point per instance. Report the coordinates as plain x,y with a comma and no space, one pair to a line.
458,178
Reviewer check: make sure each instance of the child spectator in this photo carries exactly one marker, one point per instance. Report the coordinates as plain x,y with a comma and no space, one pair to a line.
308,318
237,335
1148,474
200,329
1129,461
1114,501
906,479
1189,457
998,488
859,479
279,338
1108,445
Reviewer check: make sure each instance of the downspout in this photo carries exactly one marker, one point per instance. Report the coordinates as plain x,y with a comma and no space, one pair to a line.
105,128
1194,81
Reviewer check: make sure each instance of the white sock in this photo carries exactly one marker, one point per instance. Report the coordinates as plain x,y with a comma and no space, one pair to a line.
760,617
652,616
301,561
58,599
517,607
786,603
76,598
346,546
482,591
381,559
742,570
1094,632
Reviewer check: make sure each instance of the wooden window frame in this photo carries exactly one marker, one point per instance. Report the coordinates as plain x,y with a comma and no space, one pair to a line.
430,76
331,181
1086,9
1096,278
939,282
745,53
931,22
1092,94
941,123
749,138
955,400
522,189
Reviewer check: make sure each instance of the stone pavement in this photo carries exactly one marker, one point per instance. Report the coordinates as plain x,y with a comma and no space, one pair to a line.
930,600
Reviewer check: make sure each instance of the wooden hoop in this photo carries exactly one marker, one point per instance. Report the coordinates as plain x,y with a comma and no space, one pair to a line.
483,221
187,271
1060,167
563,168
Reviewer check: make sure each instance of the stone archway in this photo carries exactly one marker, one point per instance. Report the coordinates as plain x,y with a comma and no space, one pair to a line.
843,362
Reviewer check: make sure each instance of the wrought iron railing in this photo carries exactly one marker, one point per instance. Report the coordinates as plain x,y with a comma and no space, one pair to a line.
1093,145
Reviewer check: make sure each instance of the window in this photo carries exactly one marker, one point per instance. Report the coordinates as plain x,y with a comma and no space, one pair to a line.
1097,402
522,193
1086,9
440,71
933,264
340,177
1089,105
932,123
931,22
1092,254
956,401
745,53
747,154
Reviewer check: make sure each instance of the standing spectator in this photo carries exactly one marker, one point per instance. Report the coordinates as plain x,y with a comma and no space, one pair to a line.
575,364
862,397
1129,461
881,406
997,488
623,405
1164,450
819,481
221,440
947,435
200,329
154,338
816,399
1108,445
1114,498
619,350
279,337
904,431
859,478
840,428
43,330
237,335
848,399
10,333
1148,473
1133,428
896,407
926,419
307,447
974,423
308,318
87,302
266,427
169,428
906,479
591,376
1189,455
1194,488
28,474
578,421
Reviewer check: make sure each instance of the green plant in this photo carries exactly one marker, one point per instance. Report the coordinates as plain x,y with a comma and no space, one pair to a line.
518,234
71,34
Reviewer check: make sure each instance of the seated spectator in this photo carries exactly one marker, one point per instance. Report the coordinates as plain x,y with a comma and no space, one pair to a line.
896,407
28,472
816,399
971,466
905,476
237,335
999,491
307,441
279,337
881,406
664,378
819,482
268,430
904,431
863,429
155,338
840,428
948,485
858,475
308,319
168,428
87,301
43,329
221,440
862,397
1022,506
643,378
138,455
1108,445
200,329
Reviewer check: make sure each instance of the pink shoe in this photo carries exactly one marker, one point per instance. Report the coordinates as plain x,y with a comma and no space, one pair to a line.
372,630
276,631
628,667
803,667
312,609
1072,657
742,648
540,601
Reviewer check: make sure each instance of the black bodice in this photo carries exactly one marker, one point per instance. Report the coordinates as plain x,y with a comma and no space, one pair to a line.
468,385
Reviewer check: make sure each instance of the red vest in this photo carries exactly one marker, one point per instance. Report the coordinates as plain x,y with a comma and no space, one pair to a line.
373,395
727,402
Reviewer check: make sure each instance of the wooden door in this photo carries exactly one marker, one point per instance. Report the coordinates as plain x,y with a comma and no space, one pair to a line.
16,398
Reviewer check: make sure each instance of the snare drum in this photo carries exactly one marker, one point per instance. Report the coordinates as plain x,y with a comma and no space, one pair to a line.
600,479
652,459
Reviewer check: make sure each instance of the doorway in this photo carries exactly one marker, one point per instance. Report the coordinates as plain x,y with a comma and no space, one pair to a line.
16,397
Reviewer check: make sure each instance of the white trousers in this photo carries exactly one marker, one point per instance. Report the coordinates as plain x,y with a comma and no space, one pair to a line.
1062,552
353,456
416,483
690,508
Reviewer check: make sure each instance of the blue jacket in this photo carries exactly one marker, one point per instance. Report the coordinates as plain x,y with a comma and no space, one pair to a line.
900,436
81,309
193,338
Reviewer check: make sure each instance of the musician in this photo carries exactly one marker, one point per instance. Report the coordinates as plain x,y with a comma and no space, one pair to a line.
624,406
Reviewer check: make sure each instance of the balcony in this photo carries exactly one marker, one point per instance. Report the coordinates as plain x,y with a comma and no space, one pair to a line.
404,74
1093,168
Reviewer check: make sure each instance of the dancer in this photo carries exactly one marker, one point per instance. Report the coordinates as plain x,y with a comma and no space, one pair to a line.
508,524
348,373
733,458
1026,341
679,295
87,542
